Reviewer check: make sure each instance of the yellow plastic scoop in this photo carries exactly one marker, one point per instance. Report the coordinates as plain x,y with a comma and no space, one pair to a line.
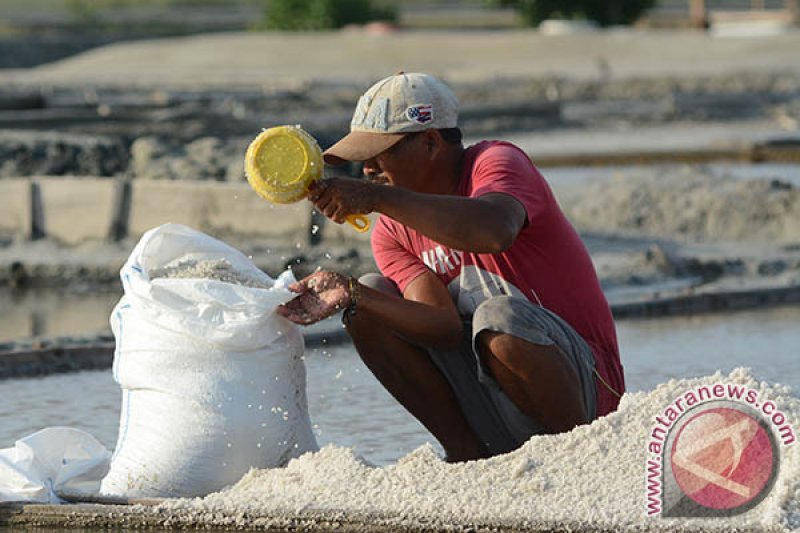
282,163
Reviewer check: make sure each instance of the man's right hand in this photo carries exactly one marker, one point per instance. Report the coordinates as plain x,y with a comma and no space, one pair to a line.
336,198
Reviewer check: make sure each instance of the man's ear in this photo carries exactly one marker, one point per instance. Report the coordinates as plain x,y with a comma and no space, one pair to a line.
433,143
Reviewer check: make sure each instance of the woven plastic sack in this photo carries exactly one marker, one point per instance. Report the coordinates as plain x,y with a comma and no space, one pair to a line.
213,382
52,461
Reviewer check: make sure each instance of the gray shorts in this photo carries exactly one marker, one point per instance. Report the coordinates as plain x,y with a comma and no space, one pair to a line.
491,414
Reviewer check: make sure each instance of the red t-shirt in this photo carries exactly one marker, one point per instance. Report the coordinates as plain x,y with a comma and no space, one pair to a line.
547,264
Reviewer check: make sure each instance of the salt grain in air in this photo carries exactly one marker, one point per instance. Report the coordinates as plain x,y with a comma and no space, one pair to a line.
592,477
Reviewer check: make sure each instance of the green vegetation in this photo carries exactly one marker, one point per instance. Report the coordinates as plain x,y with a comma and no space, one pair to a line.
603,12
302,15
83,13
124,17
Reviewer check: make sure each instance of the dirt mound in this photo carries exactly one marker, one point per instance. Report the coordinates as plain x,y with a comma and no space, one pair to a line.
688,204
39,153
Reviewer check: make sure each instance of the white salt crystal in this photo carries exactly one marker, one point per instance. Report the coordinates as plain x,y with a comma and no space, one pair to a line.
591,477
219,270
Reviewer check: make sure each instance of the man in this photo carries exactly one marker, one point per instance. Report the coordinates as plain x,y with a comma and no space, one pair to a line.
488,324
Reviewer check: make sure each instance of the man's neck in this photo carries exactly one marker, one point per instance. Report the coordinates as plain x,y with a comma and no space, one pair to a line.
446,174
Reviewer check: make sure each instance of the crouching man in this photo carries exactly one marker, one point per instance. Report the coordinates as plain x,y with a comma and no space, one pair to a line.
488,323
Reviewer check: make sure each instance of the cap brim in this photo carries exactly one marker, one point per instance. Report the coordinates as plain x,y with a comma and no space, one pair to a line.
360,146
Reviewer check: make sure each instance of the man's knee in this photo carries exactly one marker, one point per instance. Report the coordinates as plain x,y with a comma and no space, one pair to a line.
379,283
360,325
513,353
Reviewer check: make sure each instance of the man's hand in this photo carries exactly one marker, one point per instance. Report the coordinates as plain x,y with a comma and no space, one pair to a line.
337,198
320,295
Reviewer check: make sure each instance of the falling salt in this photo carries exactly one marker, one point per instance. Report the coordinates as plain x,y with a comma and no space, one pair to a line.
314,229
338,374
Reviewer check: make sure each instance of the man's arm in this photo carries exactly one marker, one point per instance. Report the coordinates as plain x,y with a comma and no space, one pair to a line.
425,315
488,224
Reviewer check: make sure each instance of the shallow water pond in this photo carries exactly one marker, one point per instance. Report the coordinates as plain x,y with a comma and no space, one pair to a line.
350,408
52,313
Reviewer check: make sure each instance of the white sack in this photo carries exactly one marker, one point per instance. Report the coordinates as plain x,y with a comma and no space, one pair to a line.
50,461
213,379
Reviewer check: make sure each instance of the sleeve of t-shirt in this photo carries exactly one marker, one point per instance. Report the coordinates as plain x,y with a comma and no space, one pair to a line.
504,168
393,258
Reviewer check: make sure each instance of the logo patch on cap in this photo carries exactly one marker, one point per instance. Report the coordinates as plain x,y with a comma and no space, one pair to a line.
421,113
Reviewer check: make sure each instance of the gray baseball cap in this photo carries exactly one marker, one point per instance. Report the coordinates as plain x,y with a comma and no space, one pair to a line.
397,105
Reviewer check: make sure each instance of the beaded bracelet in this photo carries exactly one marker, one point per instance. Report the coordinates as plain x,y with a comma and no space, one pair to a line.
354,290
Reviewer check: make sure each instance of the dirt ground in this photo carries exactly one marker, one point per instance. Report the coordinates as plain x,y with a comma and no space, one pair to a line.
288,59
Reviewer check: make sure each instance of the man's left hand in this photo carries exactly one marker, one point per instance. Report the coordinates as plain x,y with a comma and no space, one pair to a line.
320,295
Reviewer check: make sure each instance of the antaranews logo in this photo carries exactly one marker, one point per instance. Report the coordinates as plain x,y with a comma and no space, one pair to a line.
714,452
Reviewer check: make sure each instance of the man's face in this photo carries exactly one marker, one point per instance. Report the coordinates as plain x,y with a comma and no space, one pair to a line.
403,165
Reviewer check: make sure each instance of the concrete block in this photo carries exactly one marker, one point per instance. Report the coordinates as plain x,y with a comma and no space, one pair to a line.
216,208
15,216
77,209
